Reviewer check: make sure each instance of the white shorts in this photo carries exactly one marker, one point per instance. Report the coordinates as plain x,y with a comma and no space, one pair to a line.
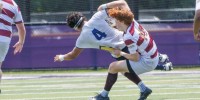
142,66
3,50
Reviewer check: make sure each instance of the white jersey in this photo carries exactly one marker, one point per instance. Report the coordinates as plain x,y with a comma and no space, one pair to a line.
10,14
197,4
138,40
96,32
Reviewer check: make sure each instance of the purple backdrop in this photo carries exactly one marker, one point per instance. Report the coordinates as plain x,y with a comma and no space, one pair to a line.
43,42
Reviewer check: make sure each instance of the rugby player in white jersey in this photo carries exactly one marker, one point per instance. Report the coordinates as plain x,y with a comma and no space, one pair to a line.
196,25
10,13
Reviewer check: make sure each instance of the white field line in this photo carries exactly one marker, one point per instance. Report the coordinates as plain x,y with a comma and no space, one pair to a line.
95,85
65,84
41,81
81,97
78,92
66,75
184,99
130,88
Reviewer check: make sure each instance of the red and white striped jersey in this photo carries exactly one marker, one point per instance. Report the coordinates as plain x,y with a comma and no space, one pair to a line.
197,4
138,40
10,14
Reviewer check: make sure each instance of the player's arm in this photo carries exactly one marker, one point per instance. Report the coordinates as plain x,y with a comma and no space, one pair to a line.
21,30
22,34
196,26
69,56
133,57
113,4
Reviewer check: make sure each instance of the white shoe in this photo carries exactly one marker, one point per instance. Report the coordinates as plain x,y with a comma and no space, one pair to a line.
168,66
163,58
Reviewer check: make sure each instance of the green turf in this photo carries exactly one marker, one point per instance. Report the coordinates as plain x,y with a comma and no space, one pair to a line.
82,84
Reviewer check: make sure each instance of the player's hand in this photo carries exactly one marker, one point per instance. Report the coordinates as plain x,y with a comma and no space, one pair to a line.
100,8
197,37
58,59
18,47
116,52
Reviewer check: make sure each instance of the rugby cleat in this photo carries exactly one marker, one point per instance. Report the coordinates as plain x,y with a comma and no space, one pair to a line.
168,66
163,58
99,97
145,94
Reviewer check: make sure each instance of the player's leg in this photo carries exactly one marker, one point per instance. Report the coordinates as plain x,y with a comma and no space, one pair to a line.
141,67
111,79
0,75
131,76
3,51
122,66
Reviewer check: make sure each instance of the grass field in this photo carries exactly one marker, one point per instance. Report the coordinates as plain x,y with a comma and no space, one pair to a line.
179,84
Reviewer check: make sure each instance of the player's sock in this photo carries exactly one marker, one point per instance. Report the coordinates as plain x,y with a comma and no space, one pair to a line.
104,93
142,86
110,81
133,77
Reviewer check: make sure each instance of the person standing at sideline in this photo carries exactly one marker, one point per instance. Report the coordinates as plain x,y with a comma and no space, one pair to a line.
196,24
9,14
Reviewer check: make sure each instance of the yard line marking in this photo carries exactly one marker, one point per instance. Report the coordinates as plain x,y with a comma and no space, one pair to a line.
133,88
36,84
88,80
184,99
79,97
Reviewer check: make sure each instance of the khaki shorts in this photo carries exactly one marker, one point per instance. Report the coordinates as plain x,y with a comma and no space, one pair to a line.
3,50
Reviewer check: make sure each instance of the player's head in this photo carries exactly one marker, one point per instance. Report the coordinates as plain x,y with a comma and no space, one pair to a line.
121,15
75,20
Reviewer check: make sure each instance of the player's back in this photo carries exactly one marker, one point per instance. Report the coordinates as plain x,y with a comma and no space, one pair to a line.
143,42
97,32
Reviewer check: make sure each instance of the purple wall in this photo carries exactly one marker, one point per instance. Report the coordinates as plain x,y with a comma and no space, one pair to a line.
175,39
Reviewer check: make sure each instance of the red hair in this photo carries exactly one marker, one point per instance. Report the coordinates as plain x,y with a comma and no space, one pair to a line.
123,15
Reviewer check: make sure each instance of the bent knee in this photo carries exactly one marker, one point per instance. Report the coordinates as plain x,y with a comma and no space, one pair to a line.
117,66
113,67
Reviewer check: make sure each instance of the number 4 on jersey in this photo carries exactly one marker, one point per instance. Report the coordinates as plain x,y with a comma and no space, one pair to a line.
98,34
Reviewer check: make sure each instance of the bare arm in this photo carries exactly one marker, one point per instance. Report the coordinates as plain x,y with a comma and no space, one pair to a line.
196,26
69,56
22,34
133,57
113,4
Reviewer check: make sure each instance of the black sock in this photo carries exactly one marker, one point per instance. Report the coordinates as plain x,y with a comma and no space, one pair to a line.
133,77
110,81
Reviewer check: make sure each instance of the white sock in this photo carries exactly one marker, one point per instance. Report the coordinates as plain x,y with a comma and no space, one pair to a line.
104,93
142,86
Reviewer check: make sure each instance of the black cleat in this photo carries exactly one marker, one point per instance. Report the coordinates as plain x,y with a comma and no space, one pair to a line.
99,97
145,94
